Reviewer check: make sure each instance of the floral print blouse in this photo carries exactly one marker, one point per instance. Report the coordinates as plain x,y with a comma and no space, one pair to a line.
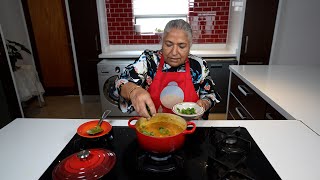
143,70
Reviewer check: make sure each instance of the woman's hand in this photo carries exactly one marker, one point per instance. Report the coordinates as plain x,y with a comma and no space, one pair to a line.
204,103
140,99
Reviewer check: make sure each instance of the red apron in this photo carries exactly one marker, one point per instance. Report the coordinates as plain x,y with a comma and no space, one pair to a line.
170,88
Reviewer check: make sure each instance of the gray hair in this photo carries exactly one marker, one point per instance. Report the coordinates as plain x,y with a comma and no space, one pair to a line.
179,24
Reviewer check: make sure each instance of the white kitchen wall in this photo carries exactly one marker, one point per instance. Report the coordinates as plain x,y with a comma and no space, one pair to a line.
235,26
14,25
297,35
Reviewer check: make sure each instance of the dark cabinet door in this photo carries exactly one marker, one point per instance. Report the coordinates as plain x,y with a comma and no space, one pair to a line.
47,27
237,111
245,103
259,23
219,72
85,27
250,100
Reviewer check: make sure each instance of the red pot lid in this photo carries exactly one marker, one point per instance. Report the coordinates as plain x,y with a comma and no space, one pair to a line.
86,164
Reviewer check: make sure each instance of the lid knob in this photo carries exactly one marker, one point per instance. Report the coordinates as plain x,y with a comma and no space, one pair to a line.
82,155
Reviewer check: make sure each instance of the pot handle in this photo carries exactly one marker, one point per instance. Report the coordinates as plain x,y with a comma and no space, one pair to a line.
131,119
191,130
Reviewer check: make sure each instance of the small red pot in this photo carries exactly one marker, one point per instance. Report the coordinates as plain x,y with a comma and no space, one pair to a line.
161,144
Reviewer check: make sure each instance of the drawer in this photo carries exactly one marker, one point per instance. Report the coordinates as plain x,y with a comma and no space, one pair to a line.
230,117
273,114
236,110
251,101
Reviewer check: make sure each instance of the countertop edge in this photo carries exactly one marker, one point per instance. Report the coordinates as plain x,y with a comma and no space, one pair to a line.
282,106
264,96
136,54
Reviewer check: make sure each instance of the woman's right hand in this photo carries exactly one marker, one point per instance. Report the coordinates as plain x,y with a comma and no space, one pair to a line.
140,99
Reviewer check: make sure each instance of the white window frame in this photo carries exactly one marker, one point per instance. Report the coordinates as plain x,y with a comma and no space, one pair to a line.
152,18
135,50
152,30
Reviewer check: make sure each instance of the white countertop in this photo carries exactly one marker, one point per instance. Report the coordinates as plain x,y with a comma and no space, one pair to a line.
292,90
28,146
200,53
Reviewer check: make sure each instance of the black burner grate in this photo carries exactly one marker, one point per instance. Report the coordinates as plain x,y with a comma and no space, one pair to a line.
208,154
159,163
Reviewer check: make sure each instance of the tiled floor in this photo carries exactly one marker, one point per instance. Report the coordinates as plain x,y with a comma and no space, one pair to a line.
217,116
70,107
63,107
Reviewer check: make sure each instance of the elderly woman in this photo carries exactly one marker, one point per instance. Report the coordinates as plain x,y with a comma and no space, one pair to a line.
160,79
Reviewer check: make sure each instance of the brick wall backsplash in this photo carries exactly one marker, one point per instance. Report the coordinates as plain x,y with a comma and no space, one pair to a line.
208,19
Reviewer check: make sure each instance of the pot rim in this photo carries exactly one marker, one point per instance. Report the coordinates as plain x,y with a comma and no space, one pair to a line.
185,131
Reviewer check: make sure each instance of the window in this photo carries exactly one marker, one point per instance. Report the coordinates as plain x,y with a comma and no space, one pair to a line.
152,15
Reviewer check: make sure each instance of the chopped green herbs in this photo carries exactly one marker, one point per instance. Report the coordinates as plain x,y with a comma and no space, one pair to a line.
188,111
147,133
94,130
163,130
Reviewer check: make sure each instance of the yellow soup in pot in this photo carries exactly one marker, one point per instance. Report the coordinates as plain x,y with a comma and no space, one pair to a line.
161,129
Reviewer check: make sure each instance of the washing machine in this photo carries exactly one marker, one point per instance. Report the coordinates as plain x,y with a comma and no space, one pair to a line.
108,71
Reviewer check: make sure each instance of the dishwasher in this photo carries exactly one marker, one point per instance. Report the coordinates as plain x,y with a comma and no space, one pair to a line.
219,72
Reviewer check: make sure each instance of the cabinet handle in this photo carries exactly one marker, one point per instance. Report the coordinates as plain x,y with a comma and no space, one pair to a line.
246,44
269,116
255,62
239,113
244,90
96,39
216,66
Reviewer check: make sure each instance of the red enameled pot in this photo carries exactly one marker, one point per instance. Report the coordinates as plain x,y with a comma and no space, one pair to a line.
161,144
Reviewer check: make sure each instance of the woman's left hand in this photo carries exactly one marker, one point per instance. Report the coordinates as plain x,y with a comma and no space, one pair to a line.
204,103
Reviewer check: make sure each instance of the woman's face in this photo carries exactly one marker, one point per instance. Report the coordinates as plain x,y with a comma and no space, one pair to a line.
175,47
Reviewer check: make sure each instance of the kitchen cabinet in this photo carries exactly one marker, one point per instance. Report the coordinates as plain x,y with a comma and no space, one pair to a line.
259,23
272,114
49,36
85,27
245,103
237,111
219,72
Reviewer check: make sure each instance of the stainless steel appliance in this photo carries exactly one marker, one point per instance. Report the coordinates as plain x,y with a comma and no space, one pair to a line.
108,71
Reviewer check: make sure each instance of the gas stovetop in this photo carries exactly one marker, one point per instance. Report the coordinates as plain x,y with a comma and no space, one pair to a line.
226,153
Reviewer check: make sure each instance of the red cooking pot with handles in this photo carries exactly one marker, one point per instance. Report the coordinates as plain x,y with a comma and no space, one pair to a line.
163,133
